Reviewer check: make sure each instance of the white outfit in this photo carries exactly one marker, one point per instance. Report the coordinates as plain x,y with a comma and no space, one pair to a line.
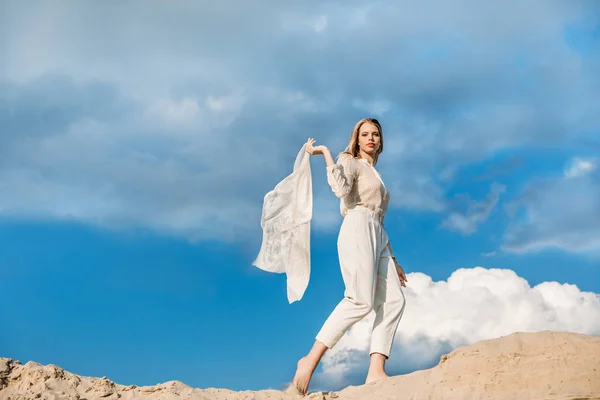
285,221
368,270
365,254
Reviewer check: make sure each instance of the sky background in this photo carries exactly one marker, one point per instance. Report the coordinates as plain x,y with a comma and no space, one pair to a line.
137,140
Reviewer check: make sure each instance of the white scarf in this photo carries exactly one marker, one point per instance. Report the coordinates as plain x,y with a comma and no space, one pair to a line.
285,222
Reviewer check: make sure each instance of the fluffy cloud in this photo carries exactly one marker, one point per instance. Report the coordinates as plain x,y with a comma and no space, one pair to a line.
560,212
182,120
473,304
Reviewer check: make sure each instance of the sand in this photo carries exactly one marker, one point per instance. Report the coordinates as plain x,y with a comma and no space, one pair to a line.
542,365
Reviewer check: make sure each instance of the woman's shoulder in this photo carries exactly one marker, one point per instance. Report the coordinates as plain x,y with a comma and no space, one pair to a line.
347,158
349,162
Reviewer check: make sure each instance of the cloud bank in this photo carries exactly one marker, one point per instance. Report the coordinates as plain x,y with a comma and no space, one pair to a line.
180,119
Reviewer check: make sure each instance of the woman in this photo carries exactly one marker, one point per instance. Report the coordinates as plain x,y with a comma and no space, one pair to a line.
372,276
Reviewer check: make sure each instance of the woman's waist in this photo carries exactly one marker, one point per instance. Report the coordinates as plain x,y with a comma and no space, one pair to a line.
373,211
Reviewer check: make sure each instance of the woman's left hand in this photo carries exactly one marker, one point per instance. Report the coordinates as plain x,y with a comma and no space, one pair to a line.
401,273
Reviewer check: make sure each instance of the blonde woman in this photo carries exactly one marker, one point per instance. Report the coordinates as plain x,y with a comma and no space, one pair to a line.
373,278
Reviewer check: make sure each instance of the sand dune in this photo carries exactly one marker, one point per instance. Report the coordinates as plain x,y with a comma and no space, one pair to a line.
543,365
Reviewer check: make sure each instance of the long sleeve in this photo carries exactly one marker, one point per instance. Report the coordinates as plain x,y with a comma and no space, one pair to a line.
342,175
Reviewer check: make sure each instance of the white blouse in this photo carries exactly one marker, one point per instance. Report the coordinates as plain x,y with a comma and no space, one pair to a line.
357,183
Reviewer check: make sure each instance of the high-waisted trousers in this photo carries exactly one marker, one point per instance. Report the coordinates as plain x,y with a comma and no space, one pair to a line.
371,280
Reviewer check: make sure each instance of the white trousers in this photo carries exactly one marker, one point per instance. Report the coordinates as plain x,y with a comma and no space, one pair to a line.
371,281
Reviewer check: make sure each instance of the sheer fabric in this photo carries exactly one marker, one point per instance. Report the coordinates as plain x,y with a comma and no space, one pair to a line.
357,183
285,223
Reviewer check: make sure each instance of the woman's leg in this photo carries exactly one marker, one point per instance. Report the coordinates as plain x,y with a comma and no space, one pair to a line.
389,307
306,368
376,368
358,251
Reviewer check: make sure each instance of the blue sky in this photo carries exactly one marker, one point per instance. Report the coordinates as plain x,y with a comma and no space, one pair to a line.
134,160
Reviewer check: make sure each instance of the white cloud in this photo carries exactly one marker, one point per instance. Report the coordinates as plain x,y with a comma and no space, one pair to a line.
194,114
472,305
579,167
174,113
560,212
320,23
476,213
233,102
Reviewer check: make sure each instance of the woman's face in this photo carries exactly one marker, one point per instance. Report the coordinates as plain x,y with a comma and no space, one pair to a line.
369,139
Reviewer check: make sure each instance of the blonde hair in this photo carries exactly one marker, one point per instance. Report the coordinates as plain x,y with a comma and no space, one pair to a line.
353,149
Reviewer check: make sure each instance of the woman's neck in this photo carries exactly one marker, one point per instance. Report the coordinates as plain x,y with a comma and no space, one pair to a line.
367,157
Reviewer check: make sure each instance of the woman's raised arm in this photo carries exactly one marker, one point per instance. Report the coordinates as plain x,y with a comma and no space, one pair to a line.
341,175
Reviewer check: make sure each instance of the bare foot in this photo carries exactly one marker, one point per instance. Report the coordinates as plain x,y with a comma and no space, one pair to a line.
375,376
301,380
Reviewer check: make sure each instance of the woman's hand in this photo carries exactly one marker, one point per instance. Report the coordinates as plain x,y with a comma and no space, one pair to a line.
315,150
400,272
